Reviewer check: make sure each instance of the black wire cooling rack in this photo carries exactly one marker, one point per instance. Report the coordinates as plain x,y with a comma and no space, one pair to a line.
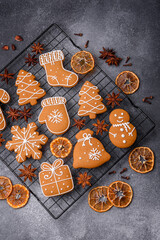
55,38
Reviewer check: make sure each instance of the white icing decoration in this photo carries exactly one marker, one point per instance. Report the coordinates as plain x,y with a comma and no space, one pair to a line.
115,115
25,141
124,141
86,137
122,114
92,109
26,89
55,116
123,135
95,154
121,129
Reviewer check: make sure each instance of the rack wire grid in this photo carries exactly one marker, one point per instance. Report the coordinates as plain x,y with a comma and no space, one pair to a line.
55,38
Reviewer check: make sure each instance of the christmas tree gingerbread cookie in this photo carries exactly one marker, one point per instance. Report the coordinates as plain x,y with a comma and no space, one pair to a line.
89,151
55,179
29,90
26,142
90,101
55,115
122,133
56,74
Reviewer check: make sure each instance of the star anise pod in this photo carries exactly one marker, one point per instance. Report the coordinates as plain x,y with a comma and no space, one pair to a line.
13,113
37,48
106,53
5,76
101,126
28,172
31,60
113,99
113,61
25,113
79,123
1,139
84,179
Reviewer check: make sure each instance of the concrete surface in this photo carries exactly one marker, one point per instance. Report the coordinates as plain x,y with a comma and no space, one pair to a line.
132,28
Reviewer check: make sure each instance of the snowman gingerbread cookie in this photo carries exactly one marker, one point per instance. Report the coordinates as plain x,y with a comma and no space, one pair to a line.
122,133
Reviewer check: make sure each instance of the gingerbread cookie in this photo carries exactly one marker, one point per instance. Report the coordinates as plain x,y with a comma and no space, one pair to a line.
4,96
56,74
26,142
89,151
2,120
55,115
122,133
29,90
90,101
55,179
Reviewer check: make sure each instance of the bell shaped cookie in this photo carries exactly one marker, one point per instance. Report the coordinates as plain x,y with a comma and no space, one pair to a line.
89,151
55,115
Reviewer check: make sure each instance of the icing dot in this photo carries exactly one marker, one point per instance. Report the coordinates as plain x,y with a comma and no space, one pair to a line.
95,103
51,180
123,135
50,69
67,186
61,188
22,72
21,85
121,129
63,184
102,150
58,177
45,189
98,145
83,106
84,89
93,92
30,80
84,97
121,113
115,115
34,89
84,152
80,158
51,191
52,186
67,176
124,141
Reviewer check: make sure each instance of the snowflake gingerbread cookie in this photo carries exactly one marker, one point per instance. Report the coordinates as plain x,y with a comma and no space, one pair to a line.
55,115
29,90
122,133
89,151
90,101
56,74
26,142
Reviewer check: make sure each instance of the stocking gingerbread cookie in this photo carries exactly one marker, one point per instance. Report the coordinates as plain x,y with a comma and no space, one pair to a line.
122,133
89,151
29,90
90,101
55,115
56,74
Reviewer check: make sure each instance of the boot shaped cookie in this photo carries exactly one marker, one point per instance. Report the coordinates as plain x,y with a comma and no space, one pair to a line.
90,101
2,120
89,151
55,115
122,133
56,74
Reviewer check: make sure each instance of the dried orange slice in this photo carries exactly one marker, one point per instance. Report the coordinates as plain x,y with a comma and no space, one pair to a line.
97,199
120,194
19,196
127,81
5,187
61,147
82,62
141,159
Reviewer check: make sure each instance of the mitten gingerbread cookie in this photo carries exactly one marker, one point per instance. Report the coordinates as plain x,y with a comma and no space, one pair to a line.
26,142
56,74
55,179
89,151
4,96
122,133
29,90
55,115
90,101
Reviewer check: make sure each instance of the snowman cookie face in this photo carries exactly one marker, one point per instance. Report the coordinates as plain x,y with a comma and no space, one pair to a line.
122,133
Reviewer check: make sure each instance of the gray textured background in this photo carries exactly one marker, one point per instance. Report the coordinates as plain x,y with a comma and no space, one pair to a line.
131,28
